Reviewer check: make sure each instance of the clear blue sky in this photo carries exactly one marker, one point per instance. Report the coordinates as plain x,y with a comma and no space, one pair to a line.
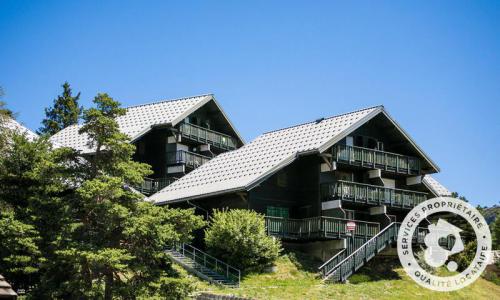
435,66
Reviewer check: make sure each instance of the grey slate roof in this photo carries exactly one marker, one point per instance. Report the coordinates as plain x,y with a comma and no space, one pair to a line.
244,167
435,186
139,120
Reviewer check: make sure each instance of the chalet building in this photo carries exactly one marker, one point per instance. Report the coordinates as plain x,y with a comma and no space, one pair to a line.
335,187
173,136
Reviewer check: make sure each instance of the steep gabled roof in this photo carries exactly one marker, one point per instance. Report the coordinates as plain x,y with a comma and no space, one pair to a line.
14,125
435,186
246,167
242,168
140,119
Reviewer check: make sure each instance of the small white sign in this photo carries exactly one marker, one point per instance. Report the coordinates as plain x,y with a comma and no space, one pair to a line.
351,226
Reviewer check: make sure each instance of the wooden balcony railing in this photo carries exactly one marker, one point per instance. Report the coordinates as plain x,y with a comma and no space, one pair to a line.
377,159
317,227
152,185
371,194
190,159
204,135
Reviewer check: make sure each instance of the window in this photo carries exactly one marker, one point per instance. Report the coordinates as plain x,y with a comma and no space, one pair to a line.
380,146
192,120
281,212
350,214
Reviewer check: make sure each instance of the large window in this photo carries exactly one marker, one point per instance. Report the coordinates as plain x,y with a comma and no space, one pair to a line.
274,211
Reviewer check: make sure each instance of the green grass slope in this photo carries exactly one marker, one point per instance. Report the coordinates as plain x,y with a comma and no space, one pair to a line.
380,279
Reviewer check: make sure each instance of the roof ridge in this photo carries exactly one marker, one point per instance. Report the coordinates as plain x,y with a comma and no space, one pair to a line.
169,100
327,118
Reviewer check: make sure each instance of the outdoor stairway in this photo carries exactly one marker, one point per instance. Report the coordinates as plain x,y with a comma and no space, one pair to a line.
347,261
205,266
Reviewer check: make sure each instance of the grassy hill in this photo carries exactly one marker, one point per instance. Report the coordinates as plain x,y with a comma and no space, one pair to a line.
380,279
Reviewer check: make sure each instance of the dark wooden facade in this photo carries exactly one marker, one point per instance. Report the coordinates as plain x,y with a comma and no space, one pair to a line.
175,151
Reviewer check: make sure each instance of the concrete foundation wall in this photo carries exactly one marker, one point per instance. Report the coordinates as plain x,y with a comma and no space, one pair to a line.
322,250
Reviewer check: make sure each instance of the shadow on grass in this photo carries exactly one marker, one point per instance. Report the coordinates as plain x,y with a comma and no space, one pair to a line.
303,261
379,268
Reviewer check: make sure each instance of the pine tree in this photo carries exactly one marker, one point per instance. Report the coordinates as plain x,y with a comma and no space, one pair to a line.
64,112
114,246
495,233
29,202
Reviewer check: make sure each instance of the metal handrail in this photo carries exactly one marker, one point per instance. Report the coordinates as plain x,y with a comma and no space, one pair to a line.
332,258
231,272
362,247
327,274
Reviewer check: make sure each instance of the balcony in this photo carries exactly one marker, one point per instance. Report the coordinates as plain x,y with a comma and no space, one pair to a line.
207,136
150,186
317,227
375,159
371,194
189,159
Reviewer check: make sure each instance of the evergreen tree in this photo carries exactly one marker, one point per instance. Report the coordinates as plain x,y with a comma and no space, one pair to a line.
468,235
495,233
33,181
70,228
35,186
65,112
20,256
114,246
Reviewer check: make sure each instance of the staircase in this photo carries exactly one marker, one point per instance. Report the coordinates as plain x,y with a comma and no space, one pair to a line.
205,266
347,261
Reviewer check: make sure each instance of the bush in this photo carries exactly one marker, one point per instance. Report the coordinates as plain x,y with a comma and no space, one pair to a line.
419,256
168,288
465,258
239,238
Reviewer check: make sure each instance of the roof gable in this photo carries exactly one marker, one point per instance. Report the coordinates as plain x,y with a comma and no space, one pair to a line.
242,168
139,120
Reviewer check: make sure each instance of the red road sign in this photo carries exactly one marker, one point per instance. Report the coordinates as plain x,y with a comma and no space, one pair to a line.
351,226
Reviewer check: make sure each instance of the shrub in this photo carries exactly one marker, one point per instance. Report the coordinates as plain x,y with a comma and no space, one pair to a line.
419,256
239,238
168,288
465,258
